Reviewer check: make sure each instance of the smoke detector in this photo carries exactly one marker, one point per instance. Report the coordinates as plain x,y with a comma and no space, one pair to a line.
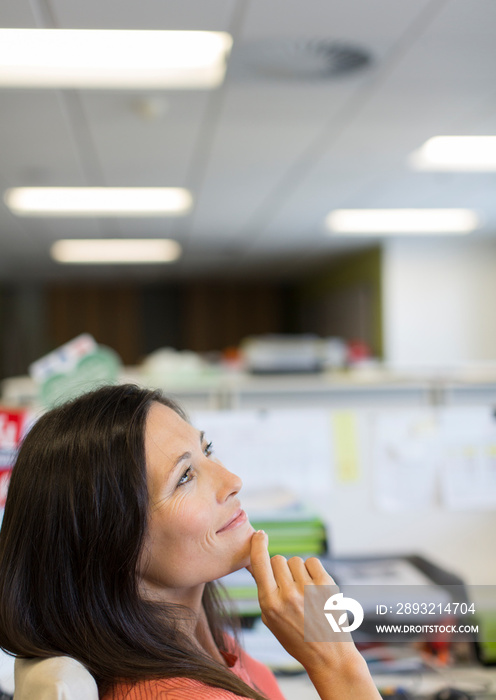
304,60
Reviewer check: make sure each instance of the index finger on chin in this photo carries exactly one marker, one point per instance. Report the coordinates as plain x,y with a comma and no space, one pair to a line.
260,566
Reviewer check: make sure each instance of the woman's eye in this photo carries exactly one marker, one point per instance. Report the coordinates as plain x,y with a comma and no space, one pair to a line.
187,476
208,449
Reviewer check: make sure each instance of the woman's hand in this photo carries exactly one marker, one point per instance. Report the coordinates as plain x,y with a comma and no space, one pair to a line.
336,668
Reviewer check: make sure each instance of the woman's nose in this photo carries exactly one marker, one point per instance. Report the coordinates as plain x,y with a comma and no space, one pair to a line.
228,484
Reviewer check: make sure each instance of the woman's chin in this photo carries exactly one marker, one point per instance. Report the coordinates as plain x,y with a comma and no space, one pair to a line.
241,557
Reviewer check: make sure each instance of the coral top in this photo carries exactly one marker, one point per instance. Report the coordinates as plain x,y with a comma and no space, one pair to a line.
252,672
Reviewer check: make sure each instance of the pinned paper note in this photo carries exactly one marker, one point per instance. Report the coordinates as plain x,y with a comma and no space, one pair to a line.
406,447
344,426
468,461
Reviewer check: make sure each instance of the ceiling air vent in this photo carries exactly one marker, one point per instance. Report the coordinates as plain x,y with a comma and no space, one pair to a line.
305,60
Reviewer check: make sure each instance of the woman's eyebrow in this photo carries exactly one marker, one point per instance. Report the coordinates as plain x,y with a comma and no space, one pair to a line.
184,456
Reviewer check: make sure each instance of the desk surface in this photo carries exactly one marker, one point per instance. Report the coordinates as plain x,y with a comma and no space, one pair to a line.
480,682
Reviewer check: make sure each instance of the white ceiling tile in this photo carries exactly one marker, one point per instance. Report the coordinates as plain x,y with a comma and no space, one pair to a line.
358,20
17,14
214,15
137,152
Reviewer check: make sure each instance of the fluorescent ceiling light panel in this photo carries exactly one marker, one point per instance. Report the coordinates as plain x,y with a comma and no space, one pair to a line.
398,221
115,250
98,201
121,59
456,153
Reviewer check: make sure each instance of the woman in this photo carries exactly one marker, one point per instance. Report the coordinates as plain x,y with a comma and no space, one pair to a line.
117,521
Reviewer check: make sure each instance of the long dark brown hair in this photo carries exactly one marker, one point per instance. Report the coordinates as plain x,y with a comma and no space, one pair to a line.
70,544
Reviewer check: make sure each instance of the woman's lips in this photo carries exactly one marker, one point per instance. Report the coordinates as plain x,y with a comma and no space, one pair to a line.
237,519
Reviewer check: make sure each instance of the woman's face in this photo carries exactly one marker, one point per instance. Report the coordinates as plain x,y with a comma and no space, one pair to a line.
197,531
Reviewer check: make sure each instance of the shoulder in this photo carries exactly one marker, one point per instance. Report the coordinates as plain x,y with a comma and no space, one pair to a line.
170,689
257,675
251,671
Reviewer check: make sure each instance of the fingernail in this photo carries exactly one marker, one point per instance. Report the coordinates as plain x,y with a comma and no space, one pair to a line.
261,532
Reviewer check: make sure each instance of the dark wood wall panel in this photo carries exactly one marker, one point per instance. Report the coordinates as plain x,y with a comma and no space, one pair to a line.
110,314
135,320
216,316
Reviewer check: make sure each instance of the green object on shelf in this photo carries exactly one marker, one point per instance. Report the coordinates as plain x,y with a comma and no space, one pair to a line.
245,592
487,631
294,537
98,367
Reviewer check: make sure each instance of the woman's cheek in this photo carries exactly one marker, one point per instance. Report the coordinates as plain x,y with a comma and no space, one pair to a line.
190,516
183,508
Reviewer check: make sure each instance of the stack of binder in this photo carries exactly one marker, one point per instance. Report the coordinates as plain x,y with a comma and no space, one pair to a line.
291,535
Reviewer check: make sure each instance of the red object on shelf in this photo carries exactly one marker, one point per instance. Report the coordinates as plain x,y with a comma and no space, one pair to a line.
358,350
4,486
13,425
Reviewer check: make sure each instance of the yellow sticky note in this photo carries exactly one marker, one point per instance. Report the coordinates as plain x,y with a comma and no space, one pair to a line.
345,440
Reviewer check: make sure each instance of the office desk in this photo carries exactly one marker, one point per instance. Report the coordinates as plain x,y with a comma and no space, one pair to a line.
480,681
